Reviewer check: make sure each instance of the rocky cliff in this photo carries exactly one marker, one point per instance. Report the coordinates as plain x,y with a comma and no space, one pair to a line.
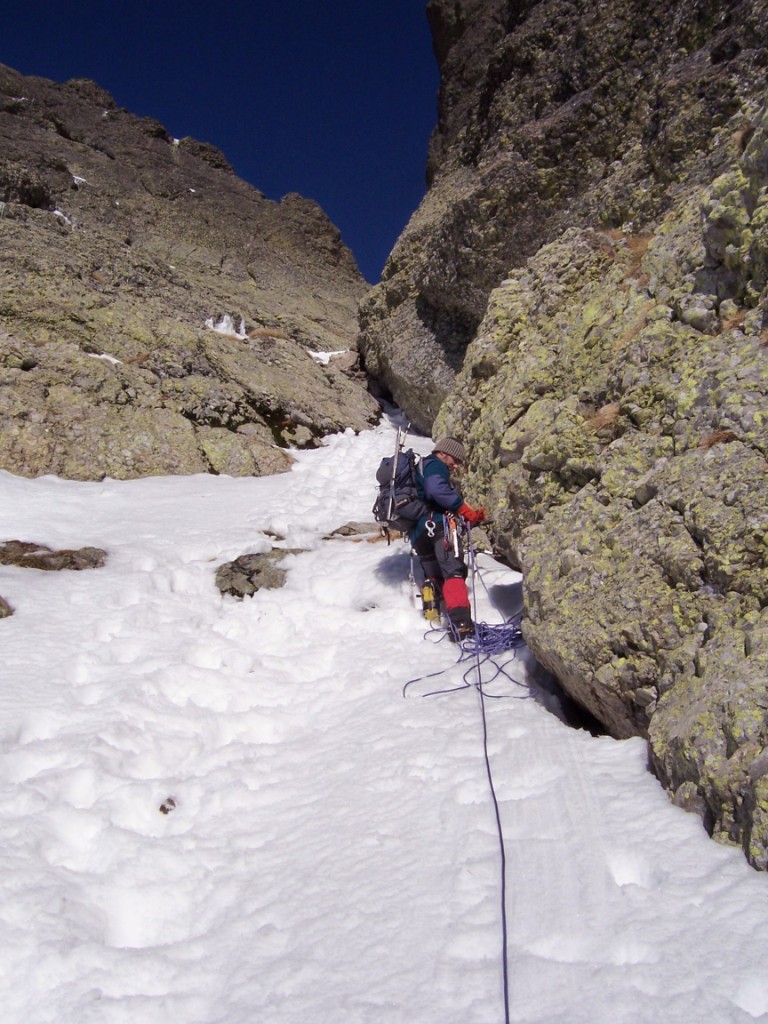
157,314
552,114
582,298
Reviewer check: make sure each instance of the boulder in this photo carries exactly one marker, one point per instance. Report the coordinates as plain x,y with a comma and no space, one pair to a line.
247,574
29,555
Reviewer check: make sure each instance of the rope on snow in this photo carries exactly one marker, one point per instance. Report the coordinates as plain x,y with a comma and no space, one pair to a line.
490,641
480,650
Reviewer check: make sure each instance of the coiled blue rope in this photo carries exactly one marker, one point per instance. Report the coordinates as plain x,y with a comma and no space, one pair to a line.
477,652
492,639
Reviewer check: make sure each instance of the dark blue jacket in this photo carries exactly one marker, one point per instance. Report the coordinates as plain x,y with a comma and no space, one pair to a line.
439,494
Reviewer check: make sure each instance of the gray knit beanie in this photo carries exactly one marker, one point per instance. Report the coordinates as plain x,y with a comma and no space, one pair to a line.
450,446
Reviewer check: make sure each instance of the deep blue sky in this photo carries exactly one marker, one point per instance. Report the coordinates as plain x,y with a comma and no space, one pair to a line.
334,99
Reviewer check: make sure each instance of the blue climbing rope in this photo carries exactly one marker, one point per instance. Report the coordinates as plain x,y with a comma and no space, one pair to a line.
480,651
488,642
477,652
493,639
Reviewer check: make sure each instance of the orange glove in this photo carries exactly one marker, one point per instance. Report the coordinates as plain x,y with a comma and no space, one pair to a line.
474,516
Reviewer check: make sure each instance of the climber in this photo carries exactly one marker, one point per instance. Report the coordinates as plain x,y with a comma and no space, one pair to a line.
436,536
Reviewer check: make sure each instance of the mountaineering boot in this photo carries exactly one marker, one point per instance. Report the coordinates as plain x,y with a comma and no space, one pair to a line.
460,624
430,601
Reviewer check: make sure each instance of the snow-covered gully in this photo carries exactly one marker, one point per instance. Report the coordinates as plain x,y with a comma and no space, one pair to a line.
220,812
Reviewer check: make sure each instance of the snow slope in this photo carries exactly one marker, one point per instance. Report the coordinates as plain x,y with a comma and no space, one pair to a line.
223,812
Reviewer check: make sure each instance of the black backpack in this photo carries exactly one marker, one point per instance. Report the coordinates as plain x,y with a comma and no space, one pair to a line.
401,491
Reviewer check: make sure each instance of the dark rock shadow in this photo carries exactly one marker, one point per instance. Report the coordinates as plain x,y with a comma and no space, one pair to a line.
545,688
507,598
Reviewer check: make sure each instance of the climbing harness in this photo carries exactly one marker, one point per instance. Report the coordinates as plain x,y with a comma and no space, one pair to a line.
483,649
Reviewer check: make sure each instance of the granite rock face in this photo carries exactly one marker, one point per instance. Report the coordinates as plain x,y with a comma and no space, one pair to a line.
157,314
552,115
582,299
615,401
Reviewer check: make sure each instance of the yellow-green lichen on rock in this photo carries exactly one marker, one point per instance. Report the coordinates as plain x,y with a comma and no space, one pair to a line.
711,730
614,402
